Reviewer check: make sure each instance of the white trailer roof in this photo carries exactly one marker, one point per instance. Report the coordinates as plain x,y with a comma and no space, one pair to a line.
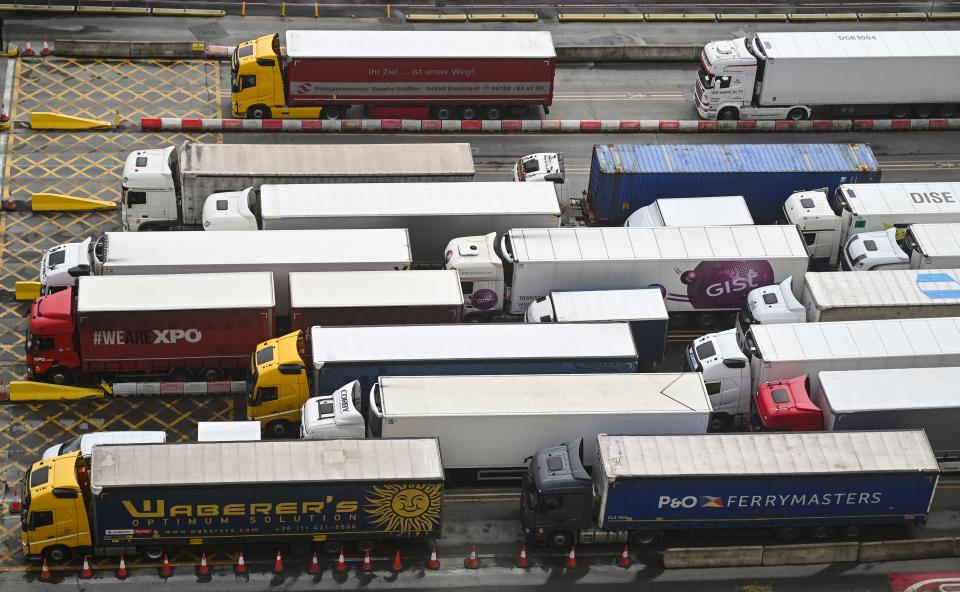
901,198
891,389
691,242
419,44
304,461
501,341
327,160
608,305
854,44
856,339
188,291
892,287
242,247
766,454
553,394
407,199
725,210
937,240
336,289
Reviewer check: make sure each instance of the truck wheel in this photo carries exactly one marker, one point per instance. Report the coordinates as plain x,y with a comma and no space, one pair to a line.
705,320
332,113
469,113
278,429
728,114
645,538
367,545
258,112
443,113
923,111
59,375
493,113
152,552
180,374
900,111
560,539
797,114
947,111
212,374
58,554
821,533
788,534
851,531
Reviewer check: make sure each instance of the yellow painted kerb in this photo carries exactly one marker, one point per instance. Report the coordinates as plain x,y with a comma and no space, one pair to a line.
47,120
24,390
29,291
55,202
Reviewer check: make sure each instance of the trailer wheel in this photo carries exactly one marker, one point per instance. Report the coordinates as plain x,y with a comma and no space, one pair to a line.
797,114
788,534
493,113
367,545
705,320
59,375
58,554
851,531
469,113
332,112
560,539
180,374
645,538
152,552
923,111
947,111
443,113
258,112
821,533
720,422
278,429
212,374
900,111
728,114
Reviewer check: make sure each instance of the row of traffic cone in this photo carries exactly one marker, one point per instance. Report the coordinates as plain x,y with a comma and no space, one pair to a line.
29,53
472,561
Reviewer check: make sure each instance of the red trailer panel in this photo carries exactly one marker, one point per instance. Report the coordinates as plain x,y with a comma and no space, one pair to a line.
303,319
420,81
148,341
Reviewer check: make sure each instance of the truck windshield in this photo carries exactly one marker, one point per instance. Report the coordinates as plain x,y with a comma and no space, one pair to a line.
706,78
837,201
72,445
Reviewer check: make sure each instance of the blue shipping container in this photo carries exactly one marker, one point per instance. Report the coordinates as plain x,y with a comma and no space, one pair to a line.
624,177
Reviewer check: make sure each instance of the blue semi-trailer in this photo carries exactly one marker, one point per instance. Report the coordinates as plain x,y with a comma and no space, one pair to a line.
152,498
625,177
799,484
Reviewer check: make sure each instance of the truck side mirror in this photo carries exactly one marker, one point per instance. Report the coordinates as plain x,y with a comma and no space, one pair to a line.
65,493
79,270
734,363
554,178
265,62
289,368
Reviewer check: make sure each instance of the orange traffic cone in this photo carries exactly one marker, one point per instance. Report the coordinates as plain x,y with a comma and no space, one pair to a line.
433,563
165,570
3,119
44,571
15,506
314,565
46,48
85,572
28,52
624,559
471,562
522,561
366,567
122,571
341,565
203,569
571,558
396,566
278,564
241,567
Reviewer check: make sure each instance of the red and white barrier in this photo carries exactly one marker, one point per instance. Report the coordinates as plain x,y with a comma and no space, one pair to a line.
539,126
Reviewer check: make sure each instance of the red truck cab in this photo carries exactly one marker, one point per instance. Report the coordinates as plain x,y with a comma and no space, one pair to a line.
50,344
785,406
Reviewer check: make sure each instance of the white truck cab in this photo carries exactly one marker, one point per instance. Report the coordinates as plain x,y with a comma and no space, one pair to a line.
62,264
149,199
818,223
726,374
770,305
869,251
542,166
481,273
334,416
229,210
725,79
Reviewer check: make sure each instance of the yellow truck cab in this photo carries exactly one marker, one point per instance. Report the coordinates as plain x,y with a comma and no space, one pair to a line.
54,521
277,387
257,88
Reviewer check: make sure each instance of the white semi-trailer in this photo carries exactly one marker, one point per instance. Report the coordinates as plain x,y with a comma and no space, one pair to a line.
830,75
920,246
828,222
166,188
831,296
433,213
700,270
735,364
279,251
522,412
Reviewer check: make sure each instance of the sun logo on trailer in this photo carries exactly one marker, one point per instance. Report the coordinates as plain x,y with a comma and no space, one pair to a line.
405,508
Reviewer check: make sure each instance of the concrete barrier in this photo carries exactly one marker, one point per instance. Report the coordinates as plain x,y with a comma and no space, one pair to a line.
166,49
900,550
92,48
628,53
803,554
129,49
682,558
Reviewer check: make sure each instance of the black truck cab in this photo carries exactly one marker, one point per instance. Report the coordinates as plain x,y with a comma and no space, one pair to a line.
556,499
